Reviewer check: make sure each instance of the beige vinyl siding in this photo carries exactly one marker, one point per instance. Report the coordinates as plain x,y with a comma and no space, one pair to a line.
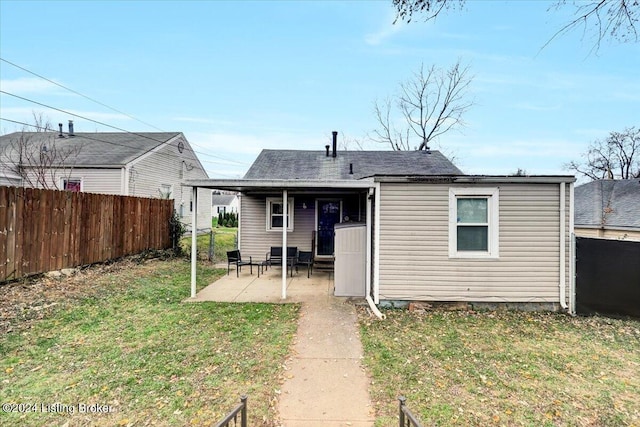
255,241
94,180
166,165
414,260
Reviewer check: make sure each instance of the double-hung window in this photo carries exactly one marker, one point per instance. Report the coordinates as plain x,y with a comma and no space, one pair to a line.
275,214
473,223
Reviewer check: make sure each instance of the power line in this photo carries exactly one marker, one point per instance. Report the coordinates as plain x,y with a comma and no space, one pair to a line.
102,140
104,124
80,94
107,106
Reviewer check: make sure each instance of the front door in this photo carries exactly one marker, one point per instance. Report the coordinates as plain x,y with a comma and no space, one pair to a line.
328,215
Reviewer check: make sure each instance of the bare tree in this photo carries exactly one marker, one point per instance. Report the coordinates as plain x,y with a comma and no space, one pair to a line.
430,104
37,157
615,19
349,143
520,172
430,9
618,157
40,122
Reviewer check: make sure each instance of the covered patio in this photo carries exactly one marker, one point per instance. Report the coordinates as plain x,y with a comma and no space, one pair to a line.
268,287
256,234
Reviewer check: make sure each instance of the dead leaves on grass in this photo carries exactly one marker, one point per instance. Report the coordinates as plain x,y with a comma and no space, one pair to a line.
30,299
504,368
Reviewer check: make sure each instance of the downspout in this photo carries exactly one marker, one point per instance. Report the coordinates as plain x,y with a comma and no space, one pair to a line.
125,181
194,238
372,304
572,253
284,243
374,308
563,249
376,252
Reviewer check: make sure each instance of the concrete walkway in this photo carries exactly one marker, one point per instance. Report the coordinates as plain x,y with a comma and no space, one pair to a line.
325,384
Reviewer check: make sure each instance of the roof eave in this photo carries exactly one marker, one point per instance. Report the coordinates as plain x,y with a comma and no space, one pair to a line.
473,179
242,185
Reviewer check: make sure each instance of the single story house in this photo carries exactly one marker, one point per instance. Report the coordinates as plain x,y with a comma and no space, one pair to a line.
145,164
431,232
224,203
608,209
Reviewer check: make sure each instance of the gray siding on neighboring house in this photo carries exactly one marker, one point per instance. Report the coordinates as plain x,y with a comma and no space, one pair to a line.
414,238
10,181
255,241
106,181
166,165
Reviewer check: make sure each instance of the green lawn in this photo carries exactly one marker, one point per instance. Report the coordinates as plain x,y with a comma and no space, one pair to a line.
130,342
504,368
224,240
155,360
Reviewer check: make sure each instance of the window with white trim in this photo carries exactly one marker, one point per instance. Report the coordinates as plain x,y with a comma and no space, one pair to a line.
166,191
473,222
275,214
72,184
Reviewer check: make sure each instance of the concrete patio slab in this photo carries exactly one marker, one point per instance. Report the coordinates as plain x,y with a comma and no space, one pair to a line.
266,288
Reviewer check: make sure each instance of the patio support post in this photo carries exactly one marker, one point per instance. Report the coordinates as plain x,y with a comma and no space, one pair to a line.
284,243
194,239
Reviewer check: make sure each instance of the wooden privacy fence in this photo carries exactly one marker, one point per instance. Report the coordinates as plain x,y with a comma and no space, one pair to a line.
44,230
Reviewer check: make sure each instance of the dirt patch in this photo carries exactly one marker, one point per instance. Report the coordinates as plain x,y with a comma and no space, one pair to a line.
26,300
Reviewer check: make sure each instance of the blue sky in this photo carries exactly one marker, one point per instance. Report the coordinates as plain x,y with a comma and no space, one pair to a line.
237,77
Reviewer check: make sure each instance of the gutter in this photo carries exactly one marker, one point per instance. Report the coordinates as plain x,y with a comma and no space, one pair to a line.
477,179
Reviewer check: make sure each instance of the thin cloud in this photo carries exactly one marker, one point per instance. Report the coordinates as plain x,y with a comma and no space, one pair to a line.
388,30
207,121
555,148
375,39
28,85
532,107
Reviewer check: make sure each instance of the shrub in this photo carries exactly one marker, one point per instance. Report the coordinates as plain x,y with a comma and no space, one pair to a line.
176,230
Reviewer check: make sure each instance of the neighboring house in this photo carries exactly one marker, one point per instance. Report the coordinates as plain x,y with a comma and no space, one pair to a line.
608,209
146,164
8,177
224,203
432,233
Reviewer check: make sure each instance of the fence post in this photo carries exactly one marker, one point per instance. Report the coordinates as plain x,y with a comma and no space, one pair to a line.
211,244
402,400
243,415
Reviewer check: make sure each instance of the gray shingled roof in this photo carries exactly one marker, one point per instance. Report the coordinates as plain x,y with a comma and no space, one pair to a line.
222,199
298,164
613,203
97,149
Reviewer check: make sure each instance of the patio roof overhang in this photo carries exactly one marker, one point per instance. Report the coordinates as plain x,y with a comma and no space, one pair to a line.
266,185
